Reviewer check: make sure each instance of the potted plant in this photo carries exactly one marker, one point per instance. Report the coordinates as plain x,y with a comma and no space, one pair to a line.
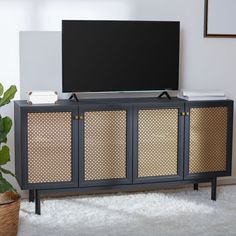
9,198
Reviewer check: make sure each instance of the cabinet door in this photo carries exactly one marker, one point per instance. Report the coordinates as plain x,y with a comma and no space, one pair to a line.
158,143
105,145
50,143
208,139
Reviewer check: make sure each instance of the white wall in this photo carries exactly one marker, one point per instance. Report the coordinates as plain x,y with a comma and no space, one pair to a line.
41,57
205,62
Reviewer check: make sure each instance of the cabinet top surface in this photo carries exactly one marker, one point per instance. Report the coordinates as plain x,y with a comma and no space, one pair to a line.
65,102
127,101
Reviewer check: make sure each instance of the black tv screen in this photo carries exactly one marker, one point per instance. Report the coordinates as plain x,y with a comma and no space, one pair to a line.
119,55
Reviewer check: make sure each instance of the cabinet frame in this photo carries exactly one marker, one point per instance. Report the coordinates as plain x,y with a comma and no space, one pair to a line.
105,107
208,104
157,106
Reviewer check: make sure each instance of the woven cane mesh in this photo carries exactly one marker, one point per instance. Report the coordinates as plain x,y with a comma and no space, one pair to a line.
49,147
105,145
208,137
157,142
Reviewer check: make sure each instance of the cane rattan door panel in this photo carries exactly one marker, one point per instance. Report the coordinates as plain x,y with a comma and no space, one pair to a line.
157,142
105,145
49,149
208,139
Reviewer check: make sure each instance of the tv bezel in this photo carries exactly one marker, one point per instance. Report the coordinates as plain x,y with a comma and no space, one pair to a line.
117,91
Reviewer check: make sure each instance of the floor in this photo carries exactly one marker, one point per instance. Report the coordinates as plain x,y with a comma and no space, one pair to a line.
168,212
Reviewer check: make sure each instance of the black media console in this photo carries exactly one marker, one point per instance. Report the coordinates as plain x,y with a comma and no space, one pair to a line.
121,144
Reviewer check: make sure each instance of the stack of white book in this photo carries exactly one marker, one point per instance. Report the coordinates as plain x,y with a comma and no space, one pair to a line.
201,95
42,97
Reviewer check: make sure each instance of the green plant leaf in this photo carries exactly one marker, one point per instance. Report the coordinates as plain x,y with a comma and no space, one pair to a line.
5,127
5,186
8,95
4,155
3,139
1,89
7,172
5,124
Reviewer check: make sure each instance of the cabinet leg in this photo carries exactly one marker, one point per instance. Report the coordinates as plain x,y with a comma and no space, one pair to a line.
37,203
213,189
195,186
31,195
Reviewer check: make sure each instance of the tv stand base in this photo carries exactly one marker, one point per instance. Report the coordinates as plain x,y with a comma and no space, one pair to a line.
74,96
165,93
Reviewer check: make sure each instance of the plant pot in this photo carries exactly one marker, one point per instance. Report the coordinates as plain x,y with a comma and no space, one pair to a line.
9,213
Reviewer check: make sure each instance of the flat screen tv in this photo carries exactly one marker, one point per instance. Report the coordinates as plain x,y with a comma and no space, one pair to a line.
104,55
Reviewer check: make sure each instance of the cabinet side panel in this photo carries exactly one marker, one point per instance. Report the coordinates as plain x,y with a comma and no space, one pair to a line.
157,142
105,145
17,135
208,139
49,147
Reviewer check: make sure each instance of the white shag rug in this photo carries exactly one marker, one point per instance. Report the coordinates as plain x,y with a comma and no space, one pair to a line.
168,212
